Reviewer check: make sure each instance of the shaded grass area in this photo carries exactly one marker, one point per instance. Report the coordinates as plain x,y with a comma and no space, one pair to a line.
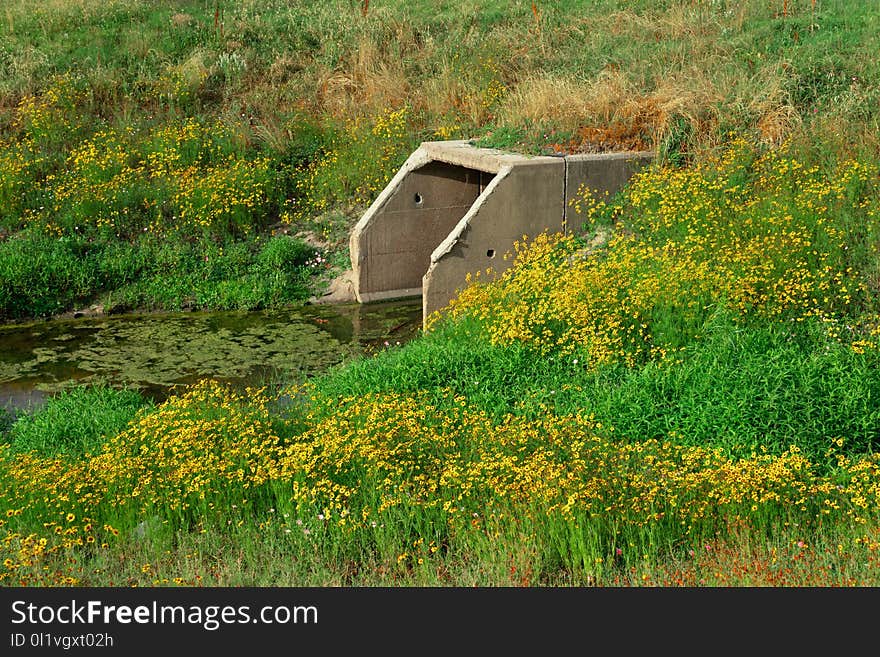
41,275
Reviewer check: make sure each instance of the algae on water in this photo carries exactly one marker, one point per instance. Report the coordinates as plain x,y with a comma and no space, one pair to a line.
157,352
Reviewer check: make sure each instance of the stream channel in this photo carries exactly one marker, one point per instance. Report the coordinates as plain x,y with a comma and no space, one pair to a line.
156,353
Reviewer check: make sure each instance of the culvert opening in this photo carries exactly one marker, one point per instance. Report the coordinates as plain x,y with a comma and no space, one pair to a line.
424,208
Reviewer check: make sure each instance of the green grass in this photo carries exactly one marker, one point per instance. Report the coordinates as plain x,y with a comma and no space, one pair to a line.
41,276
739,391
6,420
149,156
742,390
75,422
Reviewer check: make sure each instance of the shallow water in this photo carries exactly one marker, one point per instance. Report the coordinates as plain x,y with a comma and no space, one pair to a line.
156,353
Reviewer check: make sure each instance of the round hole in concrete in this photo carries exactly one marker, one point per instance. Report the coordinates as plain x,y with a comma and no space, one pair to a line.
490,253
418,199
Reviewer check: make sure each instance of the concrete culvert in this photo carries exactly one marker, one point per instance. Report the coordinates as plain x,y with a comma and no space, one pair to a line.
451,202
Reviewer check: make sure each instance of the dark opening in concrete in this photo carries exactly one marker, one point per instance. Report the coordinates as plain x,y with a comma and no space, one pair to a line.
416,216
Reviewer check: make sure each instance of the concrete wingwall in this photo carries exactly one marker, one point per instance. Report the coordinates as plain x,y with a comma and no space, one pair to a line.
454,209
502,215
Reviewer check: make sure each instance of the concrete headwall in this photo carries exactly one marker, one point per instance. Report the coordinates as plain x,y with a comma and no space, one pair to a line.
602,173
455,209
501,215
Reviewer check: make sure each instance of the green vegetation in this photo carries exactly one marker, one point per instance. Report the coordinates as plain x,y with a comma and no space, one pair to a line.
766,389
205,125
682,391
695,402
74,422
42,275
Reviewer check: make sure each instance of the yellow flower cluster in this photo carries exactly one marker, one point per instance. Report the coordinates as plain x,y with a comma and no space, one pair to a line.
179,177
367,156
212,450
17,162
758,237
494,88
52,112
175,147
96,179
224,196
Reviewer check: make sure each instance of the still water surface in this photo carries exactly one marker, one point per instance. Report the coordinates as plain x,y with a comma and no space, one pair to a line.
156,353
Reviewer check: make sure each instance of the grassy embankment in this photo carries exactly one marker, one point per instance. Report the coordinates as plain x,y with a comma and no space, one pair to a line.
149,151
695,402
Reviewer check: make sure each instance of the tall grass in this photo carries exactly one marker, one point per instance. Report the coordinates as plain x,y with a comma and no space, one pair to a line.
75,422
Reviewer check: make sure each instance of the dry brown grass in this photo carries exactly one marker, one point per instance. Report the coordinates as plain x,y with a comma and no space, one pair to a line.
611,111
23,75
447,92
682,22
852,139
285,67
769,108
181,19
696,79
541,99
369,79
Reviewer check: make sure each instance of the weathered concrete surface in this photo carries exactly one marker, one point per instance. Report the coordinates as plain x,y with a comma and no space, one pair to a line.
604,174
455,209
525,199
461,153
391,246
364,236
